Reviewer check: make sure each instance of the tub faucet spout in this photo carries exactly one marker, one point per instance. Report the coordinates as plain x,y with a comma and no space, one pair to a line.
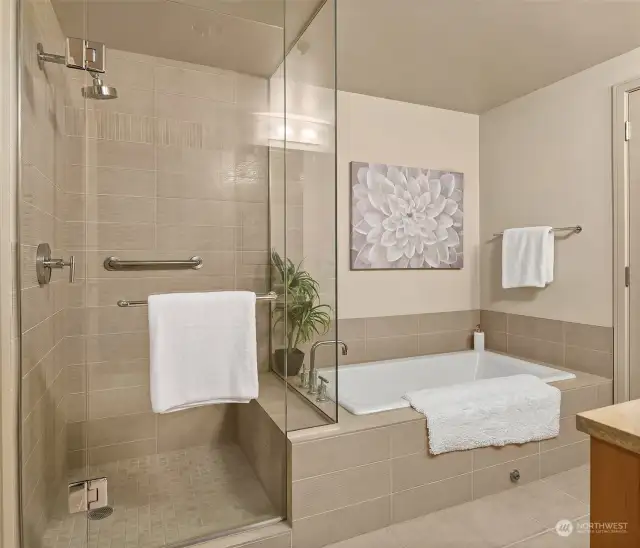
313,373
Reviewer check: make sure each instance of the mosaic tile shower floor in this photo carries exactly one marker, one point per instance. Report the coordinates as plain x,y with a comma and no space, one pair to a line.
166,499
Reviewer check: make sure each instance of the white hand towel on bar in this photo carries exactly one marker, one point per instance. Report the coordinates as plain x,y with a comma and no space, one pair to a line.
202,349
499,411
527,257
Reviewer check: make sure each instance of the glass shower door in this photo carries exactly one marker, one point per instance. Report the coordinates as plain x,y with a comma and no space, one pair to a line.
52,291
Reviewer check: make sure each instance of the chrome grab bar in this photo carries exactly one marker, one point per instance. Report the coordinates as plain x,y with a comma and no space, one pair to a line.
271,296
113,263
573,229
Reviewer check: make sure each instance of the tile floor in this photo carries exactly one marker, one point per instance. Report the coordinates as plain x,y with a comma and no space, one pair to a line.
523,517
167,498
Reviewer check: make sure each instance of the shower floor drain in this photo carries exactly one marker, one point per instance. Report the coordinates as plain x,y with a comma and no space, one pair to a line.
100,513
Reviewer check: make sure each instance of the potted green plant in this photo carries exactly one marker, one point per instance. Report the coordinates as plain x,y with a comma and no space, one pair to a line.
305,317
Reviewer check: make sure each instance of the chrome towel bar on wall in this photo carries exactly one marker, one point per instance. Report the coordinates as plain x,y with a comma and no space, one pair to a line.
271,296
572,229
113,263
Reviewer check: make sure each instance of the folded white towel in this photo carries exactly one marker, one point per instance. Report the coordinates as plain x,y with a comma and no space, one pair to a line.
527,257
202,349
499,411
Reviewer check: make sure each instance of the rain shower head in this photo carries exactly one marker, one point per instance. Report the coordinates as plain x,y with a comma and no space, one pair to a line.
98,90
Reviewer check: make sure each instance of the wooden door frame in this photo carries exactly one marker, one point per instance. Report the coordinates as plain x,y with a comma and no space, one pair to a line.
620,165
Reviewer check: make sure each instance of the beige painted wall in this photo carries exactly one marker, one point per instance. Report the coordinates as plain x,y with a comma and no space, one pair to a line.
546,160
372,129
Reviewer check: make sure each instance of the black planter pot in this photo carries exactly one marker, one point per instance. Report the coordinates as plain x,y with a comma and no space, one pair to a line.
294,361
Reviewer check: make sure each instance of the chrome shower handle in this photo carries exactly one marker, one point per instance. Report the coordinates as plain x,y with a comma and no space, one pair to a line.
61,263
44,265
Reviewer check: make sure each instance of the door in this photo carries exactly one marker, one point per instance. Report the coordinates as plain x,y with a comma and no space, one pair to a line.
633,273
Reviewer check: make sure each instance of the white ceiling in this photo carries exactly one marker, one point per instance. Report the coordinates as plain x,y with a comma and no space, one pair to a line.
467,55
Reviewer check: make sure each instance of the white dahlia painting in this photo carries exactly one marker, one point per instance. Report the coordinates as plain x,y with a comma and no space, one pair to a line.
405,217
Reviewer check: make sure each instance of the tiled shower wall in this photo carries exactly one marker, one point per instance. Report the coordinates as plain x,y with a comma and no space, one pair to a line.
43,309
175,167
587,348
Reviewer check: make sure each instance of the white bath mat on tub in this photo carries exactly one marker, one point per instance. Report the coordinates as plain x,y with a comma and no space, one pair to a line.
497,412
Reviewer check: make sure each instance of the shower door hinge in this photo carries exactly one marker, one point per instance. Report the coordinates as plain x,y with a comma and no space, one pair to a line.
87,495
627,131
85,55
627,276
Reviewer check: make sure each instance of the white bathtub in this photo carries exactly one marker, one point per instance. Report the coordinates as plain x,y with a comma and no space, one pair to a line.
379,386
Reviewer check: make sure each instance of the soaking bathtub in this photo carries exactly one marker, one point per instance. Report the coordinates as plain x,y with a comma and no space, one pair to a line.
379,386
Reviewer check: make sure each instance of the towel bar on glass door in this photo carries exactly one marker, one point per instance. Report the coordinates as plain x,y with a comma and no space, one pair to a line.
575,229
271,296
113,263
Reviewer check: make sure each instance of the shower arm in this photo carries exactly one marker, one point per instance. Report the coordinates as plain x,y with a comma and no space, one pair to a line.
44,57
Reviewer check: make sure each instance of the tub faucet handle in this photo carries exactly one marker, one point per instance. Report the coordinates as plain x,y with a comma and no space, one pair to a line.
322,391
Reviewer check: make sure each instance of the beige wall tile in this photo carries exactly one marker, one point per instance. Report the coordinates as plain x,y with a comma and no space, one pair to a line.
493,321
447,341
76,436
179,211
408,438
464,320
34,385
330,527
536,349
564,458
604,394
392,347
105,320
495,479
116,236
217,86
391,326
116,430
589,336
535,328
430,498
194,185
495,340
338,453
114,374
117,347
352,329
490,456
348,487
210,424
578,400
119,401
110,453
75,407
589,361
110,180
104,153
568,434
36,343
422,468
196,237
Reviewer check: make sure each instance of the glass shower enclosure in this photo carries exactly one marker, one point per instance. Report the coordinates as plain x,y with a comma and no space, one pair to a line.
167,146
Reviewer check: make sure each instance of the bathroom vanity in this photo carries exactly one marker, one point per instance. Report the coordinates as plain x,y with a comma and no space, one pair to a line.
615,474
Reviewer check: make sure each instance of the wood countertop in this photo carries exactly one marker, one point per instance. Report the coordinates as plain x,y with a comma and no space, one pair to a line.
616,424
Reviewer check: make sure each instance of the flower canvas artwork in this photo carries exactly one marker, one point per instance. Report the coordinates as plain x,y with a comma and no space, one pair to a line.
406,217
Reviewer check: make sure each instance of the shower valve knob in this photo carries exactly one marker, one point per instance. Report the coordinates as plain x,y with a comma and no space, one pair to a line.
45,264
